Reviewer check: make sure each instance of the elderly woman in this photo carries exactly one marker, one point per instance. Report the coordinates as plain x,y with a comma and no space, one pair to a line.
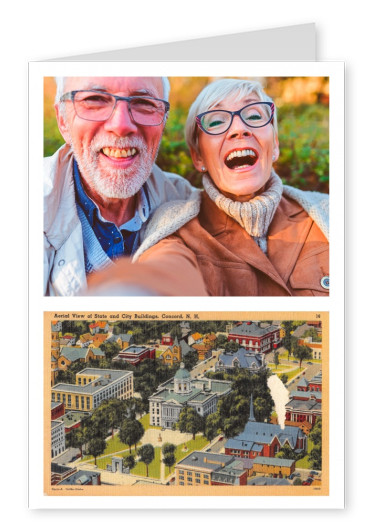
247,234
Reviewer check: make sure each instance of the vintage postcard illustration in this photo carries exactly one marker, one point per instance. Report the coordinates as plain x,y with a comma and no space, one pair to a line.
186,404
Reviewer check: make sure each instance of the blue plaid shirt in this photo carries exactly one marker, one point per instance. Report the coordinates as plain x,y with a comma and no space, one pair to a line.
115,241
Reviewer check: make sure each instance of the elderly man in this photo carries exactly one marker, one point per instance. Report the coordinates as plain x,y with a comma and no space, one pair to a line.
102,186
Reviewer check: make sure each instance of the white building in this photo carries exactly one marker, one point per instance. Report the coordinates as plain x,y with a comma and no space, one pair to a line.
57,437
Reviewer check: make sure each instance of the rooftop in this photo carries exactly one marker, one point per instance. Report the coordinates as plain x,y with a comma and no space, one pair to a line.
253,329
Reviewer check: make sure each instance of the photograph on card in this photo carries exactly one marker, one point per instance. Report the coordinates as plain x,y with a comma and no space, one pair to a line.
230,403
186,186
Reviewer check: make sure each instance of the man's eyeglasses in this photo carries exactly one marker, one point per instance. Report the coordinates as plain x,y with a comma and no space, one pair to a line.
98,106
253,115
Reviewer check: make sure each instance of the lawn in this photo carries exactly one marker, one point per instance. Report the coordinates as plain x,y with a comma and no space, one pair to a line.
290,373
145,421
303,463
154,467
140,468
113,445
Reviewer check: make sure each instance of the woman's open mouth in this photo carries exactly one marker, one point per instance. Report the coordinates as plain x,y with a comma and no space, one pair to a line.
241,158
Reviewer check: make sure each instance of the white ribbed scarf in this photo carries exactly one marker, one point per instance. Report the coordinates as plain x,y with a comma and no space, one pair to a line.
255,215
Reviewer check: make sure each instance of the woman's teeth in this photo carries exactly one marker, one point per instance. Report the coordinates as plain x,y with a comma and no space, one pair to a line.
241,158
119,153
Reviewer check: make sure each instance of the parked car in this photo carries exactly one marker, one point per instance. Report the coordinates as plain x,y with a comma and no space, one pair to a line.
314,473
308,481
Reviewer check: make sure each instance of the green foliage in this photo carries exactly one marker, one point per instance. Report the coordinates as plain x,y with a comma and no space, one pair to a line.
131,432
212,425
315,455
231,346
96,447
110,349
190,360
286,452
312,332
302,352
190,421
304,146
146,455
129,461
168,451
284,378
75,327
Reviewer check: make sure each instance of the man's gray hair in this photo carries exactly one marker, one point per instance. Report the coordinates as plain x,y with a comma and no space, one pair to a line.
60,84
216,92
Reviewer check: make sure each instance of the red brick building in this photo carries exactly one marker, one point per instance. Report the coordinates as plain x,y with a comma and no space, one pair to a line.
135,354
256,338
57,410
305,401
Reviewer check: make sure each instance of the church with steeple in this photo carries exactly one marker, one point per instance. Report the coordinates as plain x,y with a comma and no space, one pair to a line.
265,439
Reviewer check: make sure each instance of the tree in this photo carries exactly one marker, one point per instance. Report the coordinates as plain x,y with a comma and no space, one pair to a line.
168,451
233,413
211,426
231,346
99,424
288,339
111,411
190,360
286,452
312,332
221,341
276,359
75,439
96,447
146,454
315,455
131,432
284,378
129,461
302,352
110,349
262,407
190,421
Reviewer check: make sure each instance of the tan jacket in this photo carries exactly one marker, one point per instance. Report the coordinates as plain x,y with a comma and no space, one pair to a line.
213,255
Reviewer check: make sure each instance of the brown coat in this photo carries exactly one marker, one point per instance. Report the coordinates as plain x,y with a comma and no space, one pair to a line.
231,263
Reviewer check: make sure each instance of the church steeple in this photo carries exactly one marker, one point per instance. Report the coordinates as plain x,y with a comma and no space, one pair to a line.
251,414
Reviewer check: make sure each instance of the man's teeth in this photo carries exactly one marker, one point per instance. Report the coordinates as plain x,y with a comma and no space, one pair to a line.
241,153
119,153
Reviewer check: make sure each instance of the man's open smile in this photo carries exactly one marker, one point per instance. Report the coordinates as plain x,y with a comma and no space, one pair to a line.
116,153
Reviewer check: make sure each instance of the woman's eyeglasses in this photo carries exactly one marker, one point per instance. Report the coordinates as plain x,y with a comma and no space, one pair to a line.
254,115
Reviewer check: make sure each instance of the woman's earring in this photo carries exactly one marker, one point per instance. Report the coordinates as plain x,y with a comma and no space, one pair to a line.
273,158
203,168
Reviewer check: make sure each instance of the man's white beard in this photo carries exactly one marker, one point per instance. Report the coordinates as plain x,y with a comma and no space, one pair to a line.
115,183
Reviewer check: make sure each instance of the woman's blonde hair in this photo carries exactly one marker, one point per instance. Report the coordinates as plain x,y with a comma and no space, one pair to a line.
216,92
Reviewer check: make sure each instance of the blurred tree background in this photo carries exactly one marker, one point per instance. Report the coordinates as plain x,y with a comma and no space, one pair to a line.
303,128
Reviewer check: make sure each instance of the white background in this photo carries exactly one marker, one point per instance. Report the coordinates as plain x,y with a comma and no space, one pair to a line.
41,30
